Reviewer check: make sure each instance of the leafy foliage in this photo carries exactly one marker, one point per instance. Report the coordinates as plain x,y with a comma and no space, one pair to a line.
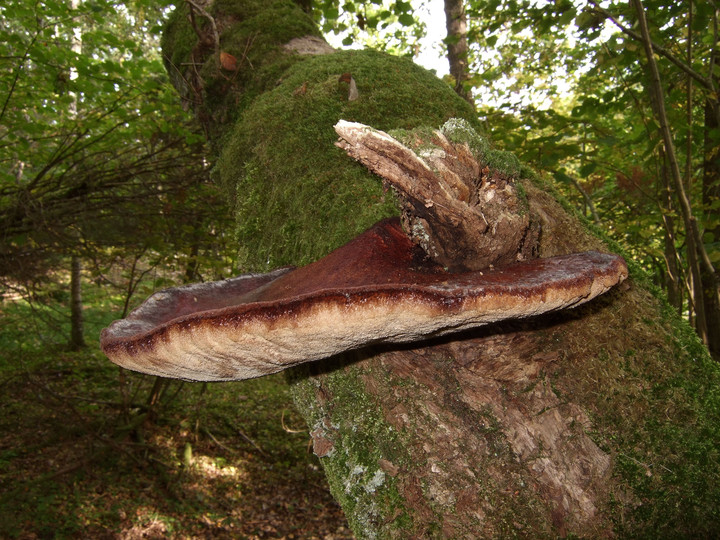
387,25
98,158
564,87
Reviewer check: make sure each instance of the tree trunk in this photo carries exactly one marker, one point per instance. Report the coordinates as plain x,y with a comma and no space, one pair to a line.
671,274
457,46
77,337
193,264
711,194
596,422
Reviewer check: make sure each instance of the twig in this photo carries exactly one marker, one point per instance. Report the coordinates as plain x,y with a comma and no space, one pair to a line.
645,465
287,429
16,77
248,439
86,425
66,470
248,45
588,199
23,486
197,99
216,35
240,432
206,431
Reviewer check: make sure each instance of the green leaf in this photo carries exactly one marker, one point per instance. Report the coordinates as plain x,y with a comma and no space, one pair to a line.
587,169
406,19
567,17
563,178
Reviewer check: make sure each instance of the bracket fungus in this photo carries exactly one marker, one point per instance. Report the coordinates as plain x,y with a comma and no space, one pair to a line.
378,288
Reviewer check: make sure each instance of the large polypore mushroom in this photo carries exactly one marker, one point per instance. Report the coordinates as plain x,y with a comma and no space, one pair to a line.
379,288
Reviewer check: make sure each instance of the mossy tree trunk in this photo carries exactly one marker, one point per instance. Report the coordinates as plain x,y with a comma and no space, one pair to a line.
597,421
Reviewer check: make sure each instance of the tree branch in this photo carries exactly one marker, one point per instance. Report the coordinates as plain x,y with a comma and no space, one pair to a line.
458,205
204,13
662,51
661,115
17,74
586,196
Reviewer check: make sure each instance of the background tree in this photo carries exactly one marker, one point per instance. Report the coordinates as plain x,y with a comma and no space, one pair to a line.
94,147
596,132
457,46
386,25
596,422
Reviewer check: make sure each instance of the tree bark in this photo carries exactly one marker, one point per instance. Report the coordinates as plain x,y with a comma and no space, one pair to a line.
77,338
596,422
672,275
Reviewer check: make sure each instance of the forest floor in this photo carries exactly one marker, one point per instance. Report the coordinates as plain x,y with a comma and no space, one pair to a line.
90,451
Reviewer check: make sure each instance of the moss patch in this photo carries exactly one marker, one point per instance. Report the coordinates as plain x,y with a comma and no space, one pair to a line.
297,195
253,32
459,131
656,412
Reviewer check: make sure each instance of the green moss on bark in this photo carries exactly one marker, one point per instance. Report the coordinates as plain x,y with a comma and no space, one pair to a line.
365,448
297,195
653,394
254,33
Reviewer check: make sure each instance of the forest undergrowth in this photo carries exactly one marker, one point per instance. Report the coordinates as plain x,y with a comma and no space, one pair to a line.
90,451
